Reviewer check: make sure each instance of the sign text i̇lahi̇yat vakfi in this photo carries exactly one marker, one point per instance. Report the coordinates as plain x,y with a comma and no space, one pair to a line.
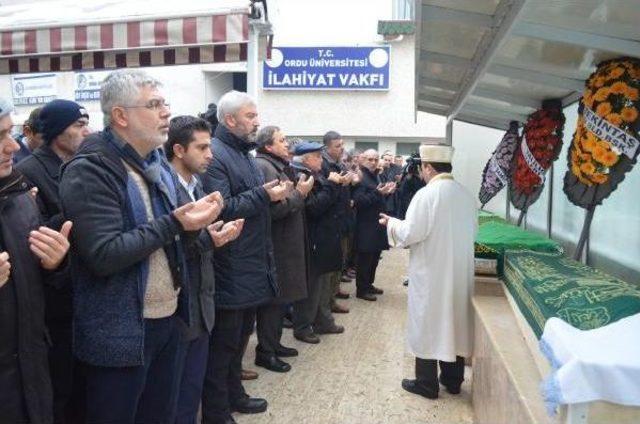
327,68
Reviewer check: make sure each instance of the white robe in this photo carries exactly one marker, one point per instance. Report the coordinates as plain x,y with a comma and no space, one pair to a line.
439,229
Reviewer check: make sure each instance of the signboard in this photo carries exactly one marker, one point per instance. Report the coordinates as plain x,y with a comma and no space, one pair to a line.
327,68
87,85
34,89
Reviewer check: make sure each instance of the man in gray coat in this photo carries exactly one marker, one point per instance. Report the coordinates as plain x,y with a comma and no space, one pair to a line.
289,247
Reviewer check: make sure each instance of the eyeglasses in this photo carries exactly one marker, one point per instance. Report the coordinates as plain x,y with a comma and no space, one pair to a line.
153,104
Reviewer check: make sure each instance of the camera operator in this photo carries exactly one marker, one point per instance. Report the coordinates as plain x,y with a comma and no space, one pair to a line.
410,183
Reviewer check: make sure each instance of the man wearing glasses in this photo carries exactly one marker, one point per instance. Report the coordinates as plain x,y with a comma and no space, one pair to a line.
128,269
64,125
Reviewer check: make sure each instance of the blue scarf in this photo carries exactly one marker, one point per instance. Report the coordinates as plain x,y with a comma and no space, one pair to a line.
162,184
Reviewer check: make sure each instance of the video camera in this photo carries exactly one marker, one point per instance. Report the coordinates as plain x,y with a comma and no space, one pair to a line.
412,166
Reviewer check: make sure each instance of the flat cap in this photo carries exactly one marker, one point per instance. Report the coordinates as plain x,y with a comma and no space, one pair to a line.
308,147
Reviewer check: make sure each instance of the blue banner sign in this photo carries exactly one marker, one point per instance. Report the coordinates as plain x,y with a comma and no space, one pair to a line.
327,68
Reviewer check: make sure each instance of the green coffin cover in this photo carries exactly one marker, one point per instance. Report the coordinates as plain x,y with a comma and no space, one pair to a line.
484,217
545,285
497,236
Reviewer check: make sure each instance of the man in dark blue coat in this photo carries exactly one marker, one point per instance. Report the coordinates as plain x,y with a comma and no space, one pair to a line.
371,237
244,268
128,265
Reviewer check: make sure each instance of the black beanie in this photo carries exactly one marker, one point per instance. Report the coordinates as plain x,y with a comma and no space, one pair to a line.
57,115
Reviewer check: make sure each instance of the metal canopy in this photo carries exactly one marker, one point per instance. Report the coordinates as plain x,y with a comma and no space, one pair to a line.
491,61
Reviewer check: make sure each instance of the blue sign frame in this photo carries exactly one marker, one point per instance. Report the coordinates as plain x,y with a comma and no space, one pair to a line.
327,68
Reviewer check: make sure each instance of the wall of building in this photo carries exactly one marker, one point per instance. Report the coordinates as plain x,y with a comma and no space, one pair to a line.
356,114
188,88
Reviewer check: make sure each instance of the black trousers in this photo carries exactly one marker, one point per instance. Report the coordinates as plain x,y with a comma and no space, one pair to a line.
222,384
269,328
451,373
66,375
142,394
366,265
193,365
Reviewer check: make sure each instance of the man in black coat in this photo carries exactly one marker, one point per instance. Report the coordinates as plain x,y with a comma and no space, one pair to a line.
312,316
188,148
332,162
371,237
64,125
289,247
245,268
28,254
390,173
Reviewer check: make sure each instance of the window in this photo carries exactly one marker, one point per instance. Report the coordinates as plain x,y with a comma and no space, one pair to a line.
366,145
405,149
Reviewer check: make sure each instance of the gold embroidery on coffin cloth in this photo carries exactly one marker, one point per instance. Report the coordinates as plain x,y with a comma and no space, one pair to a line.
594,287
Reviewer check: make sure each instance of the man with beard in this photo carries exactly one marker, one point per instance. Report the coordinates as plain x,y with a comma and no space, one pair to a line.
28,254
245,268
188,148
130,287
64,126
370,200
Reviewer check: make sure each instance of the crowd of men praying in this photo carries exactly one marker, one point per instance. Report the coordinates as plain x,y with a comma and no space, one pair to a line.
137,261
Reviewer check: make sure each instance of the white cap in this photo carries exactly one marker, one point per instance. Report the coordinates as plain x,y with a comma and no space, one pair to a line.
436,153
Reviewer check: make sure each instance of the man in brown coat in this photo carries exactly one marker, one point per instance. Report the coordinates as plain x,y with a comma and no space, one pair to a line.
289,239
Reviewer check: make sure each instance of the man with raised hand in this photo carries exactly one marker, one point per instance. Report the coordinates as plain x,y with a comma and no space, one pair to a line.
370,200
289,245
312,316
29,255
245,268
439,230
188,148
128,264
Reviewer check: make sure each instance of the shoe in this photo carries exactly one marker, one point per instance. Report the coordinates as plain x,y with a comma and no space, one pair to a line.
366,296
249,405
335,329
272,363
454,390
248,375
339,309
287,323
375,290
351,273
311,338
343,295
412,386
286,352
345,279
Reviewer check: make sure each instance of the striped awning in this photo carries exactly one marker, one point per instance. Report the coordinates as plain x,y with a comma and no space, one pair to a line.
205,38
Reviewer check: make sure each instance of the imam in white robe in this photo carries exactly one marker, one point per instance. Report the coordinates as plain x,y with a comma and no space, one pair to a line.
439,229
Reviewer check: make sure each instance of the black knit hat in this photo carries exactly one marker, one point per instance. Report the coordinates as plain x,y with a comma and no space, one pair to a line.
57,115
